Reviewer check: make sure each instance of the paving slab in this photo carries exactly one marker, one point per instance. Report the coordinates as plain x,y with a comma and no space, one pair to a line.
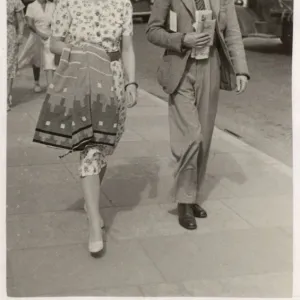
32,156
165,290
155,220
270,182
127,291
261,211
278,285
243,248
46,198
242,163
37,175
221,254
52,270
46,229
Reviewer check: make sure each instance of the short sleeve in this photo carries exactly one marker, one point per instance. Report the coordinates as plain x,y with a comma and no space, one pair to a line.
19,6
30,11
127,22
61,19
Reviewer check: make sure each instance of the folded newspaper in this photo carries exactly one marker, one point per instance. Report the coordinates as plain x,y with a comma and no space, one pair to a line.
204,24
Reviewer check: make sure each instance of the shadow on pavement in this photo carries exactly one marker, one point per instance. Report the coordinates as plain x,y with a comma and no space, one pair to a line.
128,184
23,95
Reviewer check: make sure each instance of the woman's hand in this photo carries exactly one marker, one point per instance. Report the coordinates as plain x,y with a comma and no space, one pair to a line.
20,39
57,45
44,37
131,95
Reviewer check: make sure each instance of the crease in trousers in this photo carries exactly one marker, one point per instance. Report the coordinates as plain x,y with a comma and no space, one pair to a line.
192,113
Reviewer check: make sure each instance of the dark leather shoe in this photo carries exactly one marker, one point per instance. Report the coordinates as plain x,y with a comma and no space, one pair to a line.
186,216
199,212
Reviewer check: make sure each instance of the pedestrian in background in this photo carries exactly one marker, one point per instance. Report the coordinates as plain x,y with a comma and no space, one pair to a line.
193,86
31,54
15,30
85,106
39,14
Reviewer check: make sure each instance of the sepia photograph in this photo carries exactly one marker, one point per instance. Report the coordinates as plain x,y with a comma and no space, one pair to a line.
149,148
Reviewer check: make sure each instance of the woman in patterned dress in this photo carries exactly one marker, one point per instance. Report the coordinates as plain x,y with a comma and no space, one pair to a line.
15,29
107,24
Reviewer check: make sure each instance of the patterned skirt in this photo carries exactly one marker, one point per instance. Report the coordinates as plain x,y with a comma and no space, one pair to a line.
84,109
94,158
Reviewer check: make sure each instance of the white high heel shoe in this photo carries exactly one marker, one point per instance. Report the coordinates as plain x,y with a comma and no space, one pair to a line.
95,248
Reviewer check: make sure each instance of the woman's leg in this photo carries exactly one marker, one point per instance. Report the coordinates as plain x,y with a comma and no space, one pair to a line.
92,169
91,191
36,75
10,82
49,76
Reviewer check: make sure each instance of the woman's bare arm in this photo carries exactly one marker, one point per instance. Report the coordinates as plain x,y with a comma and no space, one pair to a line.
128,57
57,45
21,23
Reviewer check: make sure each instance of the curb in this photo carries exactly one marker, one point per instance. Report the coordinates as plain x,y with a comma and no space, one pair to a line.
287,170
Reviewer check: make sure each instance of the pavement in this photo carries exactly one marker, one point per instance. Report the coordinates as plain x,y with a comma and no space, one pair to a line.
243,248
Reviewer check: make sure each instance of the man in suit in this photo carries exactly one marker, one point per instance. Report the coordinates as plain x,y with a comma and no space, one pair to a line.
193,86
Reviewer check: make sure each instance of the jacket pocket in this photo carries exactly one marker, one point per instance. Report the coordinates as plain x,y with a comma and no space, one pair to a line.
163,71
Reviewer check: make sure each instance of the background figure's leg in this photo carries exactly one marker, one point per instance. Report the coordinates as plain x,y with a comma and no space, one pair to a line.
49,76
185,135
207,94
36,75
10,82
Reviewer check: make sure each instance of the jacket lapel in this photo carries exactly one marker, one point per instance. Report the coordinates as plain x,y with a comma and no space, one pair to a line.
215,6
191,7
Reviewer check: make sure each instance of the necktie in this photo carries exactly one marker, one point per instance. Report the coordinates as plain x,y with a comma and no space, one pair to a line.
200,5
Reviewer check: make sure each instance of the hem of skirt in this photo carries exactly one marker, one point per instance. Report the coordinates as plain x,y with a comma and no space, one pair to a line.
76,148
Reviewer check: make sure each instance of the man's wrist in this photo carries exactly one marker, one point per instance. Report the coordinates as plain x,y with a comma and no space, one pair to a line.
244,74
182,47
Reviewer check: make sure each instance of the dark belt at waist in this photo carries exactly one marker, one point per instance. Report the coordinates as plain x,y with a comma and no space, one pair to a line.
114,56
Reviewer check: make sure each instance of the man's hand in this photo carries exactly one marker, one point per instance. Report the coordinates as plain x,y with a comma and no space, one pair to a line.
241,83
131,95
196,40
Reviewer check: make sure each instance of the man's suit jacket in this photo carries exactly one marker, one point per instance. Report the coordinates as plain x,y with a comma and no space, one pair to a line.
229,39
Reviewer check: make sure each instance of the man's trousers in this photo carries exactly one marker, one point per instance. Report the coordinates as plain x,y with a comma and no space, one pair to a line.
192,113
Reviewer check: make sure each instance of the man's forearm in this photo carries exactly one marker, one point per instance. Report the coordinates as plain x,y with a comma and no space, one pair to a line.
234,42
156,32
160,37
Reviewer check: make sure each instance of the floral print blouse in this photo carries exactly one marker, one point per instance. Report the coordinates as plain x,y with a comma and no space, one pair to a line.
13,7
86,21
